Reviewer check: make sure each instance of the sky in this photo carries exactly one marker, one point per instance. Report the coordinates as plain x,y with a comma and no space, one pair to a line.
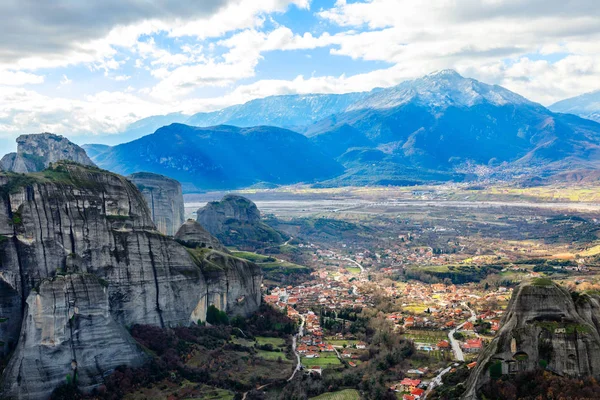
89,68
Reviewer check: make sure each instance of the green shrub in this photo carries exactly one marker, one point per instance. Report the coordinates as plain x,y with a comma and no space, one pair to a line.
215,316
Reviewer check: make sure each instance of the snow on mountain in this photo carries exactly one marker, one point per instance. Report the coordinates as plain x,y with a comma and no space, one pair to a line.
287,111
586,106
440,89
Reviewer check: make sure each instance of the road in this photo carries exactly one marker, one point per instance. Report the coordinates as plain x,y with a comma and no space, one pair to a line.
362,270
258,388
294,345
458,354
435,382
294,341
288,241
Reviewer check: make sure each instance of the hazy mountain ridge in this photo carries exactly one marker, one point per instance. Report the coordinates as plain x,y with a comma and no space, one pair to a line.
222,156
443,121
436,128
286,111
586,106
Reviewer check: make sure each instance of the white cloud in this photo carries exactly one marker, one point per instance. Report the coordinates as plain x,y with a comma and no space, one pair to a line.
65,80
489,39
219,43
18,78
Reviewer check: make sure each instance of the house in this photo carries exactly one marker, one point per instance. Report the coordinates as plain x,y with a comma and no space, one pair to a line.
468,326
443,345
302,349
408,384
346,354
271,299
361,345
408,397
311,354
315,370
415,372
328,348
417,393
472,365
473,345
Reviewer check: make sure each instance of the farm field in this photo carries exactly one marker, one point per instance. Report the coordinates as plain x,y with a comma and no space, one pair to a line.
324,360
348,394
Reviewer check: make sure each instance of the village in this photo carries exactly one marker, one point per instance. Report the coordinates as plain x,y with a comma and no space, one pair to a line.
449,323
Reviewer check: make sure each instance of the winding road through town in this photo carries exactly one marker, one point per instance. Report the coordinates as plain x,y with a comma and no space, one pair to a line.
458,354
295,345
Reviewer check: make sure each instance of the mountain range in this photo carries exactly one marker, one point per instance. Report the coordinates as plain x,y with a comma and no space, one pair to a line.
587,106
439,127
222,157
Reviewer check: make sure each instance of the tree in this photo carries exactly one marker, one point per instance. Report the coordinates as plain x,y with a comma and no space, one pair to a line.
216,317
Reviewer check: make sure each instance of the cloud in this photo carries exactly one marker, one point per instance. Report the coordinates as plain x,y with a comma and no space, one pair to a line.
65,80
245,49
26,111
64,32
18,78
67,29
203,55
487,39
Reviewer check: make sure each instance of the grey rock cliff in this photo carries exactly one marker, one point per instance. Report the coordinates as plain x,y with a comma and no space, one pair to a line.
83,221
36,151
542,328
235,221
233,283
68,331
164,198
193,234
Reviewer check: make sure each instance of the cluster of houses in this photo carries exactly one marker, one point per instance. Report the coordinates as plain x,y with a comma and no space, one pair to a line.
324,290
444,306
413,389
310,346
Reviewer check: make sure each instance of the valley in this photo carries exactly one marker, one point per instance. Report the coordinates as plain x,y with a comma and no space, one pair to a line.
293,292
436,265
300,200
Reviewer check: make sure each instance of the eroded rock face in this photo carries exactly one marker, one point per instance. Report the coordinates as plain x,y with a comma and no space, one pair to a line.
192,234
81,221
542,328
35,152
68,332
164,198
235,221
233,283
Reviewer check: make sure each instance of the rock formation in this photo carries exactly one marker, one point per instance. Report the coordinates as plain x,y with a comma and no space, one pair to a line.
235,221
80,259
544,327
68,331
35,152
192,234
164,198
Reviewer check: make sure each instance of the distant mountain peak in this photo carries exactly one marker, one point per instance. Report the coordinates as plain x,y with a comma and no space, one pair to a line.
440,90
586,105
445,73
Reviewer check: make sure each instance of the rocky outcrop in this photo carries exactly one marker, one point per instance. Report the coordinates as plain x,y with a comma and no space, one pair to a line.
544,327
68,334
233,283
192,234
235,221
35,152
164,198
78,248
